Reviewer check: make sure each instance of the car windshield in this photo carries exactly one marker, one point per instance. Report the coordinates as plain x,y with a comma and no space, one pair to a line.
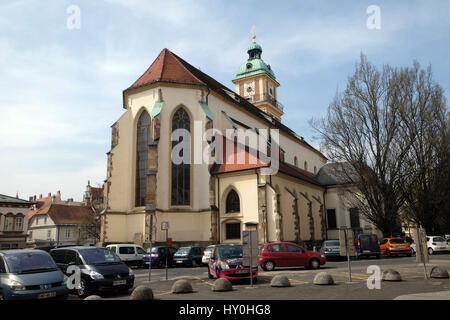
29,262
332,243
438,239
154,250
230,252
397,241
184,250
96,256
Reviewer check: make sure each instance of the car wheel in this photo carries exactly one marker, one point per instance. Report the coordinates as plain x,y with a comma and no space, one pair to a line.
430,251
388,253
161,264
269,265
314,264
194,263
378,256
83,291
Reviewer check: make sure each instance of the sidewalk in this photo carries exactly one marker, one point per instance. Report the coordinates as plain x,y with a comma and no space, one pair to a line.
440,295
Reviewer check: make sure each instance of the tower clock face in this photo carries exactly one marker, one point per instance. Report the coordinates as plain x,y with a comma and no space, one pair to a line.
249,89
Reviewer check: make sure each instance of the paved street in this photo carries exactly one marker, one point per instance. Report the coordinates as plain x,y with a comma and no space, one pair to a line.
301,281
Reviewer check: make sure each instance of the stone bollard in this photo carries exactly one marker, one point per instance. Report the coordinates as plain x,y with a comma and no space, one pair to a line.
323,278
439,273
181,286
391,275
93,297
142,293
221,285
280,281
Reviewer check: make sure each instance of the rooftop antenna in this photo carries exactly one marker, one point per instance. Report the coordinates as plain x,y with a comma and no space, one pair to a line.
254,33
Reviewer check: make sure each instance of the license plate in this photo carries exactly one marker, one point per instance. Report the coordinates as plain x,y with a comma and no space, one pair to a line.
179,261
443,248
401,247
119,282
47,295
366,251
241,271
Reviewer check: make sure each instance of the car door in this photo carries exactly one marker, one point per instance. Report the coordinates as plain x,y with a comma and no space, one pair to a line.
127,253
296,256
383,245
3,274
140,252
59,258
278,254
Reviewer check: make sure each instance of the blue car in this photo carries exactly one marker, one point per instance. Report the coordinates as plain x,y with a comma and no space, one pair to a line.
30,274
331,249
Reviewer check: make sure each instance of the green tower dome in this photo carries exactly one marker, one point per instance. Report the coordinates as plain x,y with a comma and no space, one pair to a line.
254,65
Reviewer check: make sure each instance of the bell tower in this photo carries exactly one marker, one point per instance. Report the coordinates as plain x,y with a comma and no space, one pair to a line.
256,82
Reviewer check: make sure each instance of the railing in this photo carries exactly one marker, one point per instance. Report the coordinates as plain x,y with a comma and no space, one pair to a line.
265,97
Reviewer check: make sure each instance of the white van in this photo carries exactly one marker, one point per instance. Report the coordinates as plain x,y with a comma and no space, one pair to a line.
131,254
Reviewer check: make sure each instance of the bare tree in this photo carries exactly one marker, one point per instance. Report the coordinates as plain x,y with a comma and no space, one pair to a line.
425,127
363,127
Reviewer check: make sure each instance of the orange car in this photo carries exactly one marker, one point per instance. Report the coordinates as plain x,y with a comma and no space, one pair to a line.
395,246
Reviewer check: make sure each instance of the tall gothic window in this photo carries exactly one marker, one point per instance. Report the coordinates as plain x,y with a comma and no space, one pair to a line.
181,175
143,138
233,203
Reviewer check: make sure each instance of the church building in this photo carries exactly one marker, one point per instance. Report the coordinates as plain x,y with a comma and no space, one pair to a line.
206,203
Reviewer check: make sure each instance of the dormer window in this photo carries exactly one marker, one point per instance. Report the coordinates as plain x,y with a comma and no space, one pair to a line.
249,65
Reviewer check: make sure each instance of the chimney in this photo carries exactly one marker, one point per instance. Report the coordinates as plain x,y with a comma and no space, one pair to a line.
34,198
30,199
49,195
58,195
40,196
70,200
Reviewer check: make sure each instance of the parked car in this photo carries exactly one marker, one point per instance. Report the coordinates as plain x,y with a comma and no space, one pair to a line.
437,244
30,274
207,254
331,249
226,262
367,245
188,256
158,256
101,269
395,247
286,254
131,254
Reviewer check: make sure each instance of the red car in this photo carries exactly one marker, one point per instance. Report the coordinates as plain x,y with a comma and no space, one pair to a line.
286,254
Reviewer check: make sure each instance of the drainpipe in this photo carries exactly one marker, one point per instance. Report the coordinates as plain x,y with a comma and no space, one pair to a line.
325,215
218,209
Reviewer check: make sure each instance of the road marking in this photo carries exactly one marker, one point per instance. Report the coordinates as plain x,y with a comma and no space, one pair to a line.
204,281
163,293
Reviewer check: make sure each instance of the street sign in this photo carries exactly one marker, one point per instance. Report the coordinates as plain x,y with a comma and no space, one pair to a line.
169,242
342,241
250,248
165,225
420,241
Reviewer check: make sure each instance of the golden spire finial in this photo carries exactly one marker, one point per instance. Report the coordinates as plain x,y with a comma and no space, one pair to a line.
254,33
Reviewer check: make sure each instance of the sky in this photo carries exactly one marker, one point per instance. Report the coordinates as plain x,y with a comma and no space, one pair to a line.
61,87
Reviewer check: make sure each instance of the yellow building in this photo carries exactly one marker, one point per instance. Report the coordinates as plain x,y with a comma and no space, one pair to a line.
205,202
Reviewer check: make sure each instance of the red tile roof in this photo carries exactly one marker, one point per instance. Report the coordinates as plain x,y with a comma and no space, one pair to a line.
66,214
166,67
229,164
232,162
41,206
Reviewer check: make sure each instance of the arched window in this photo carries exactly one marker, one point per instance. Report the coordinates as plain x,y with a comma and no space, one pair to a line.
143,134
306,166
295,162
315,170
233,202
181,174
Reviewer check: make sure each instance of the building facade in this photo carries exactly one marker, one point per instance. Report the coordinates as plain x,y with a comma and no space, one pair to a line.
205,202
13,222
